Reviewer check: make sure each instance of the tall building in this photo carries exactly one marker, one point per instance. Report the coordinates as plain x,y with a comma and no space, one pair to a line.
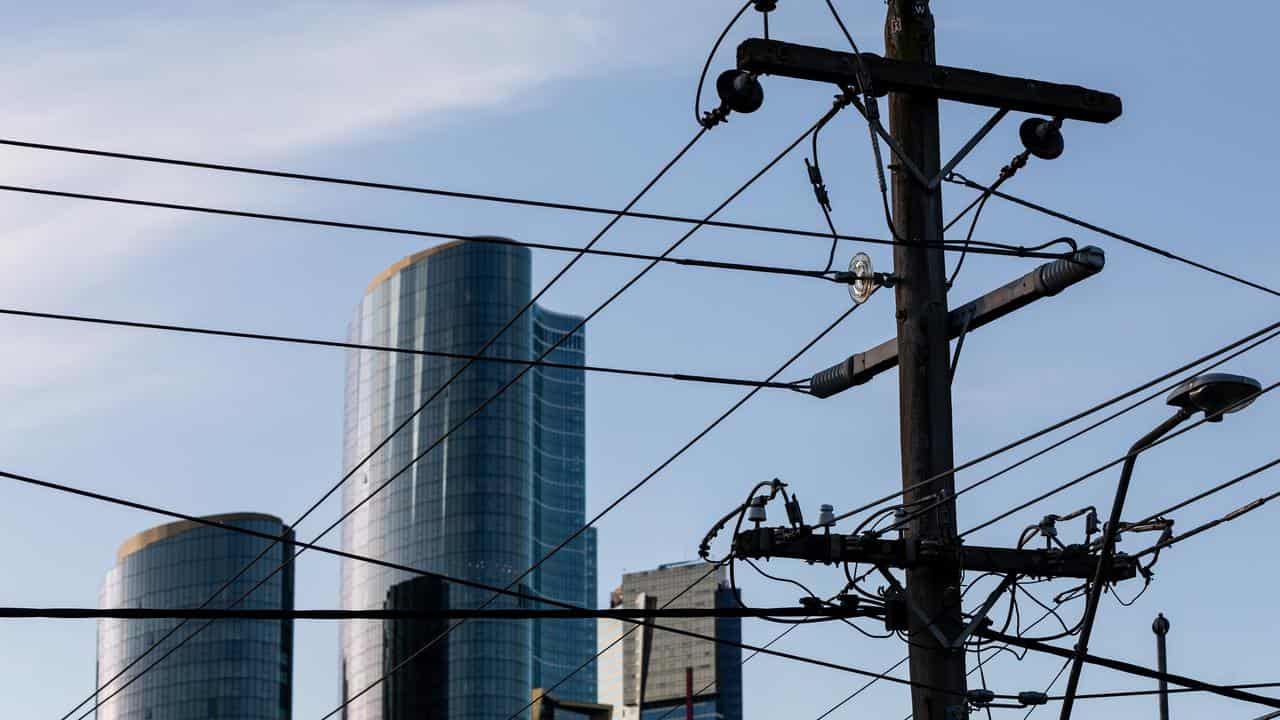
237,669
485,503
670,657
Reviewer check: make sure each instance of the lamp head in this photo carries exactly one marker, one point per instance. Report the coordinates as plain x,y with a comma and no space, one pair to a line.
740,91
1215,394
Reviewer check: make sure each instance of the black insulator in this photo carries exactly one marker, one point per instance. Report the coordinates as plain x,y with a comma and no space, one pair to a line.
1043,138
980,697
740,91
1032,697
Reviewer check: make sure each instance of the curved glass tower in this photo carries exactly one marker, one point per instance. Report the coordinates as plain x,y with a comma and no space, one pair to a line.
471,506
235,669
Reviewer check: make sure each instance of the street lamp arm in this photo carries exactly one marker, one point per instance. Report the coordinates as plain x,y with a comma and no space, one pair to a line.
1107,553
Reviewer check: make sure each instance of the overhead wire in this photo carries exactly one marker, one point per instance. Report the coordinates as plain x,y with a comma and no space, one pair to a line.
246,335
418,571
962,180
745,660
1088,428
627,212
1233,515
706,67
617,501
715,423
94,697
1081,478
1008,171
1206,493
1271,328
519,613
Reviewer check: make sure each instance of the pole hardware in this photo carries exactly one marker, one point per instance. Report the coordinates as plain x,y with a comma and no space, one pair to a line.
886,75
829,548
1045,281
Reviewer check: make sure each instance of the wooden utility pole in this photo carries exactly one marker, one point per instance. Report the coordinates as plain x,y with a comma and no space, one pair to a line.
924,386
930,552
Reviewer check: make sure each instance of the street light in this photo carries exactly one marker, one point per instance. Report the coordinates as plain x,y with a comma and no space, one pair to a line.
1214,394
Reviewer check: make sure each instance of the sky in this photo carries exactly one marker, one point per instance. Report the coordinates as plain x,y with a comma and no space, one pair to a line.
582,101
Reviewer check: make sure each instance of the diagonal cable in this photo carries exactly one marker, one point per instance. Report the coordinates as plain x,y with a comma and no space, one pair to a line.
377,448
962,180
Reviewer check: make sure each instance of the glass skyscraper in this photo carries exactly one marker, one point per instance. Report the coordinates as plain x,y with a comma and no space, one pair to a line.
485,504
234,669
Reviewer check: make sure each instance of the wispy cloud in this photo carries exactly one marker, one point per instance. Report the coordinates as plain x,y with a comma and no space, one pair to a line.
255,85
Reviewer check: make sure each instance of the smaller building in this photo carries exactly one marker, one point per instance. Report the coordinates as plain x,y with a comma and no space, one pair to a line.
650,678
241,669
418,650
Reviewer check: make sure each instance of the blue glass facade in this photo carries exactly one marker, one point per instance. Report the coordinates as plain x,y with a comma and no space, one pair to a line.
234,669
559,503
468,508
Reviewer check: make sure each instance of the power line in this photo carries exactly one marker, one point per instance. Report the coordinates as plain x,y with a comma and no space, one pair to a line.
523,371
1131,668
1053,446
1081,478
245,335
985,248
1238,512
702,78
627,212
636,487
745,660
1139,693
1067,421
93,697
547,691
1202,495
505,591
573,613
860,690
962,180
564,543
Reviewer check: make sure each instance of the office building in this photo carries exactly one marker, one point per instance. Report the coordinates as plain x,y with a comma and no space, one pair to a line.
660,689
483,504
610,671
236,669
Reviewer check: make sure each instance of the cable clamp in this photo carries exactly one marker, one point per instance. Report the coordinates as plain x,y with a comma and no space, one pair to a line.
819,188
712,118
980,697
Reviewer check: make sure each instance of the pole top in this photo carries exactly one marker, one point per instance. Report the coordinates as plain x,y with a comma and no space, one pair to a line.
1160,626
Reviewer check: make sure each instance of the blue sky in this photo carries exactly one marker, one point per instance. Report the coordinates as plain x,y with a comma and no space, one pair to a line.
582,101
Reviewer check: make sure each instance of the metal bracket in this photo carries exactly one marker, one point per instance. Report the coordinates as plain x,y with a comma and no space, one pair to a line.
933,629
986,608
912,169
967,317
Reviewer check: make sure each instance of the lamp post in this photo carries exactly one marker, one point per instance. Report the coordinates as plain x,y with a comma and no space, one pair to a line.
1160,626
1214,394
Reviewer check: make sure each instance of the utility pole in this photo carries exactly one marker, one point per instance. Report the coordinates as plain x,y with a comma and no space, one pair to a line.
1161,628
924,387
929,550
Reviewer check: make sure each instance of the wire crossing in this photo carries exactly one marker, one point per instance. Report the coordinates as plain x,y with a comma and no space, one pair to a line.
395,431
